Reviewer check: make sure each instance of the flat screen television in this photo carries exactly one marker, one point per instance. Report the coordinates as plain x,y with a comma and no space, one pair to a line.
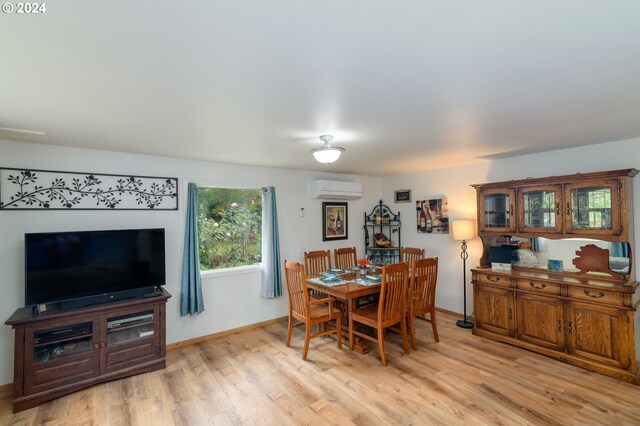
77,269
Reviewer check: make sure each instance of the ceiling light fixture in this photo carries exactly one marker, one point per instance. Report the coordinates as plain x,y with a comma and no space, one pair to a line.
327,154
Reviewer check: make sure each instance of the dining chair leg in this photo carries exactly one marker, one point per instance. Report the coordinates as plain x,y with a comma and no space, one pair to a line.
339,331
383,356
403,328
412,330
351,325
307,337
290,330
433,325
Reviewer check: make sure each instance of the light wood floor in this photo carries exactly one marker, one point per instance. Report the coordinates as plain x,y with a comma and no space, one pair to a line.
252,378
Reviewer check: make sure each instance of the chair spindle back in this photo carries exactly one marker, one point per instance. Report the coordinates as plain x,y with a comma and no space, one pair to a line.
296,287
409,254
424,275
345,257
393,293
316,262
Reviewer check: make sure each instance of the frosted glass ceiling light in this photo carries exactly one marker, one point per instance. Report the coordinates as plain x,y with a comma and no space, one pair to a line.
327,154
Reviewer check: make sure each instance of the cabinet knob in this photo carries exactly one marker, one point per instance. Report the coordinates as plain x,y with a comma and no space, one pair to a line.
557,208
103,344
559,325
510,314
570,328
493,278
595,296
96,345
568,208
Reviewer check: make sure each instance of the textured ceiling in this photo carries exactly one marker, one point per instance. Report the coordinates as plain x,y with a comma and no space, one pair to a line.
403,86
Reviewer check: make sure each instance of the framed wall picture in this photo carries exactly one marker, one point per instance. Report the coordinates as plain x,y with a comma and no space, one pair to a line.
432,216
335,221
402,196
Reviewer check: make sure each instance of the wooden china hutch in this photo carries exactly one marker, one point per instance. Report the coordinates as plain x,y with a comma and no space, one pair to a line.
585,315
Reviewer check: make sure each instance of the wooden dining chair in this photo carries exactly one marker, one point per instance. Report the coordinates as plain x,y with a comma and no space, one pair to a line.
345,257
306,310
422,295
409,254
389,311
316,262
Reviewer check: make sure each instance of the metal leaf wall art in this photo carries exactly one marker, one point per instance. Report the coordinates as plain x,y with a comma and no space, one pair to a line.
28,189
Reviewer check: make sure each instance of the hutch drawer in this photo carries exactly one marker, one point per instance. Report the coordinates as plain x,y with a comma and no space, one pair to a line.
494,279
538,286
597,295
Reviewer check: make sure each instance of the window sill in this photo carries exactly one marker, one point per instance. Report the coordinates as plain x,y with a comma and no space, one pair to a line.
239,270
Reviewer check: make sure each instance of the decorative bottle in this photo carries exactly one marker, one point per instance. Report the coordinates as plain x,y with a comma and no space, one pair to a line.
422,222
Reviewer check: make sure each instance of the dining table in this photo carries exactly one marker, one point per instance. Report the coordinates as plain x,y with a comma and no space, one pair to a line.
351,286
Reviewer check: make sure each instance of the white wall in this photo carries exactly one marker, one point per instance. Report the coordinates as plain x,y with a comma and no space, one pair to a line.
453,183
230,300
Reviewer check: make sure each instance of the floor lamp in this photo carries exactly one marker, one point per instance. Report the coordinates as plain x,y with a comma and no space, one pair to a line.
463,231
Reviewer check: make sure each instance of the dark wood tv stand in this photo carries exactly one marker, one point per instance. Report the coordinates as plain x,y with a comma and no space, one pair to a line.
60,352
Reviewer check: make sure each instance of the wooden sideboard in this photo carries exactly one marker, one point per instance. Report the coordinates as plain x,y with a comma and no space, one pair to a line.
581,320
586,319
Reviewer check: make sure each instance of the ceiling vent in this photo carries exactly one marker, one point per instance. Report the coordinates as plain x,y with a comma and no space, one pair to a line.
336,190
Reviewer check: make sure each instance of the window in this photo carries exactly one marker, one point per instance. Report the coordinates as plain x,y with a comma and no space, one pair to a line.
229,227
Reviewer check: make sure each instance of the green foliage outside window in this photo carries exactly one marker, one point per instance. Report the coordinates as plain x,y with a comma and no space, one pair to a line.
230,227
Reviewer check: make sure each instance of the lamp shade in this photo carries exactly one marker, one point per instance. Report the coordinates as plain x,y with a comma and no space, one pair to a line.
462,230
327,155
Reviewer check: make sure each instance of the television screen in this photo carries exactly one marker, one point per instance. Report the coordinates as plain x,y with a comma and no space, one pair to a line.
72,265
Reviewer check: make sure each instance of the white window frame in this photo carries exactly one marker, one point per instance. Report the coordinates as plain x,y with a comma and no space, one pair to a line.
236,270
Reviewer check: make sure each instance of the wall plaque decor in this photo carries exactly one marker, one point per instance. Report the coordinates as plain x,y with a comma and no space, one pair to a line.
29,189
402,196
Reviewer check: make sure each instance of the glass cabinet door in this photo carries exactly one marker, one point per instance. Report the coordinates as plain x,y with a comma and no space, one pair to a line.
496,210
592,208
62,342
63,353
133,326
132,337
539,209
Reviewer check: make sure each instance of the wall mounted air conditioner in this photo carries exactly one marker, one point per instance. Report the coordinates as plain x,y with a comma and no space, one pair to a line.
336,190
